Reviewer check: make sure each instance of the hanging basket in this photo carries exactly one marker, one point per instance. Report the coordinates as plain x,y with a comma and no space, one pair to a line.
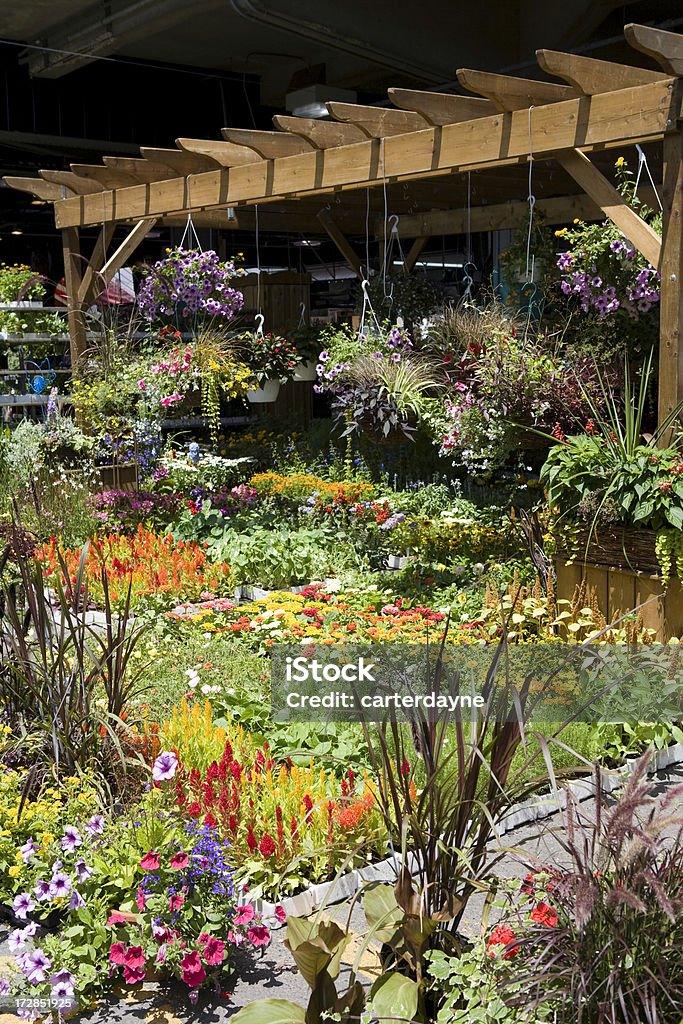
268,392
306,371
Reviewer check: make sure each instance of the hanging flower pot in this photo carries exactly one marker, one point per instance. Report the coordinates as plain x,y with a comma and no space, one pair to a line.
268,392
306,371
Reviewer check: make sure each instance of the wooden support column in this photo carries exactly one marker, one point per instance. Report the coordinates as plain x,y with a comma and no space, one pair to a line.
340,240
671,269
90,285
415,251
71,247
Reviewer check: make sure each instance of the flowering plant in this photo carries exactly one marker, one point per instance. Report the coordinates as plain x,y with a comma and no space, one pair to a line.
269,356
152,564
180,471
19,283
602,268
124,511
190,282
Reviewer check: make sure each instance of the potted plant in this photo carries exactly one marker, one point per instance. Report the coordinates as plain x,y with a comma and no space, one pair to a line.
20,286
307,342
272,360
188,284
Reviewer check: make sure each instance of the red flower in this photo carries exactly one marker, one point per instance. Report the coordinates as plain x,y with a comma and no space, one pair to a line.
150,862
117,952
280,914
259,935
192,968
214,952
176,901
179,861
251,839
267,846
543,914
134,957
504,936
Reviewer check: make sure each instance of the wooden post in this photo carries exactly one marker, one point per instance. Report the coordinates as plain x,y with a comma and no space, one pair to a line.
671,269
71,248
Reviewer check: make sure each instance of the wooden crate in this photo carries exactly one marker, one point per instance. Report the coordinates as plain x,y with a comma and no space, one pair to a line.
620,590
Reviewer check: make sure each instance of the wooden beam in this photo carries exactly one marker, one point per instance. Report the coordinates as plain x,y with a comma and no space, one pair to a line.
268,145
664,47
106,176
441,107
181,162
377,122
643,113
321,134
126,249
71,248
414,253
508,93
590,76
222,154
586,174
139,169
36,187
88,289
500,216
671,298
340,240
79,186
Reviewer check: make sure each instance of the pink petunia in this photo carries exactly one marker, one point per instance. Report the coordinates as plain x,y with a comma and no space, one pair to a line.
280,913
193,972
117,952
134,957
150,862
214,952
133,975
243,914
179,861
176,901
259,935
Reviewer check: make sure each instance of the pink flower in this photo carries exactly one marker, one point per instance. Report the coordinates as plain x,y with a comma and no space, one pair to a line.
243,914
280,913
179,861
192,968
214,952
161,955
150,862
117,952
134,957
176,901
140,900
116,917
133,975
259,935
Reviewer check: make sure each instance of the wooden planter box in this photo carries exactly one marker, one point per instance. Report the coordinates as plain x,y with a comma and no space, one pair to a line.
122,477
619,590
624,547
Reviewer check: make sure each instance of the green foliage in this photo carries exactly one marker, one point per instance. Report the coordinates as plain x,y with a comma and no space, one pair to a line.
19,283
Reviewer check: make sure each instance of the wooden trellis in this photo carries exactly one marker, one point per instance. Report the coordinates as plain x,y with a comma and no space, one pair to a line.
309,173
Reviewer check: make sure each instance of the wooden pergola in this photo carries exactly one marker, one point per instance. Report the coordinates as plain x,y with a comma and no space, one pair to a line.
444,163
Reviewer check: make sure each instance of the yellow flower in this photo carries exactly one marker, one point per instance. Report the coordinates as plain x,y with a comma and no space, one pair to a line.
560,232
14,871
619,162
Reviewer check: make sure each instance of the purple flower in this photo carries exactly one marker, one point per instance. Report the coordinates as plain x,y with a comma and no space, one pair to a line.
16,941
42,890
72,839
23,905
76,901
36,964
83,872
565,261
95,827
165,766
62,984
27,850
4,987
61,884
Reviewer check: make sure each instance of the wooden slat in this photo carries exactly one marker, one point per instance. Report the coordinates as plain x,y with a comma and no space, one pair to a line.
268,145
671,297
649,594
36,187
508,93
501,216
340,240
414,253
71,249
180,162
596,583
645,239
222,154
140,170
639,114
79,186
441,107
568,577
321,134
126,249
591,76
88,288
664,47
106,176
621,594
673,610
377,122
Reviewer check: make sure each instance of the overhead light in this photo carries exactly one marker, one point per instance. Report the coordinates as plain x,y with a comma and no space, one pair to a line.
310,101
17,232
432,263
307,243
39,202
231,213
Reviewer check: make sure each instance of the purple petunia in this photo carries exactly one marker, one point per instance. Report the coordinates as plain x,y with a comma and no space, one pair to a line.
27,850
43,890
23,905
61,884
72,839
165,766
95,827
83,872
36,965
